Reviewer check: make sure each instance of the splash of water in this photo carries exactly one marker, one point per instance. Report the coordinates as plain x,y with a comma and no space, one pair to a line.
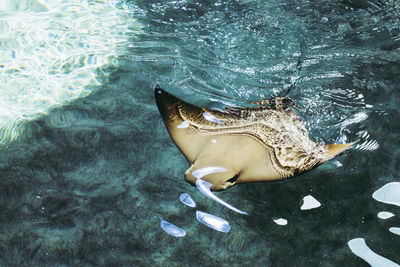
51,52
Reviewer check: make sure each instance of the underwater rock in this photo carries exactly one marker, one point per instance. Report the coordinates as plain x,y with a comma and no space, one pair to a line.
213,221
204,187
172,229
186,199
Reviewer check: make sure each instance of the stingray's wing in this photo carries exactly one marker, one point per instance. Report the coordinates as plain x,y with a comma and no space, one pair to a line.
206,120
191,127
274,102
185,135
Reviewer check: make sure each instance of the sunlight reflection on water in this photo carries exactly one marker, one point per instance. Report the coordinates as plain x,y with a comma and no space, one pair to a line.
51,52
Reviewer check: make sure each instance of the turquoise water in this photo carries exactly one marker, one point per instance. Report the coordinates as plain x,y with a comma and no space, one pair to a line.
87,167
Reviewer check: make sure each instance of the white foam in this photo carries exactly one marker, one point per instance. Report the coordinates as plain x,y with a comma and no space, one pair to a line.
51,52
389,193
395,230
337,163
357,118
368,145
360,248
281,221
385,215
309,202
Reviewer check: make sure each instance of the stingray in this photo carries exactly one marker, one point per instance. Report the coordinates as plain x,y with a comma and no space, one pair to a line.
265,142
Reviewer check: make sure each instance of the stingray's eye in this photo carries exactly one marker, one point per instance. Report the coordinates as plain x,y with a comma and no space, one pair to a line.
233,179
158,89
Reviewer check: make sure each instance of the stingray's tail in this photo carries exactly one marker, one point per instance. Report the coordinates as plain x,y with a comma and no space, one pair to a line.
335,149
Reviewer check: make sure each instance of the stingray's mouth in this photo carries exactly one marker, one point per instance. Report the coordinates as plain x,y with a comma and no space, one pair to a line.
51,52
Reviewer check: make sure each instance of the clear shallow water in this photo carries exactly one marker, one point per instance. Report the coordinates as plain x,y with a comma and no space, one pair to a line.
55,51
85,181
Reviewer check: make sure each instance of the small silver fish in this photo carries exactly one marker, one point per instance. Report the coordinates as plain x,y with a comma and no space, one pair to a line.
211,118
171,229
199,173
213,221
183,125
204,187
186,199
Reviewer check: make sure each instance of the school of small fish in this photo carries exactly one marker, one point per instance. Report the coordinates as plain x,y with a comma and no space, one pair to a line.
210,220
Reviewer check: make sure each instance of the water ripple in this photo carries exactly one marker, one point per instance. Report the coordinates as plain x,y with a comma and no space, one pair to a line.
234,52
51,52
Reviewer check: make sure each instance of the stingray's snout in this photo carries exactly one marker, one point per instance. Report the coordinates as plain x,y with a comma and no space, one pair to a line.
157,89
